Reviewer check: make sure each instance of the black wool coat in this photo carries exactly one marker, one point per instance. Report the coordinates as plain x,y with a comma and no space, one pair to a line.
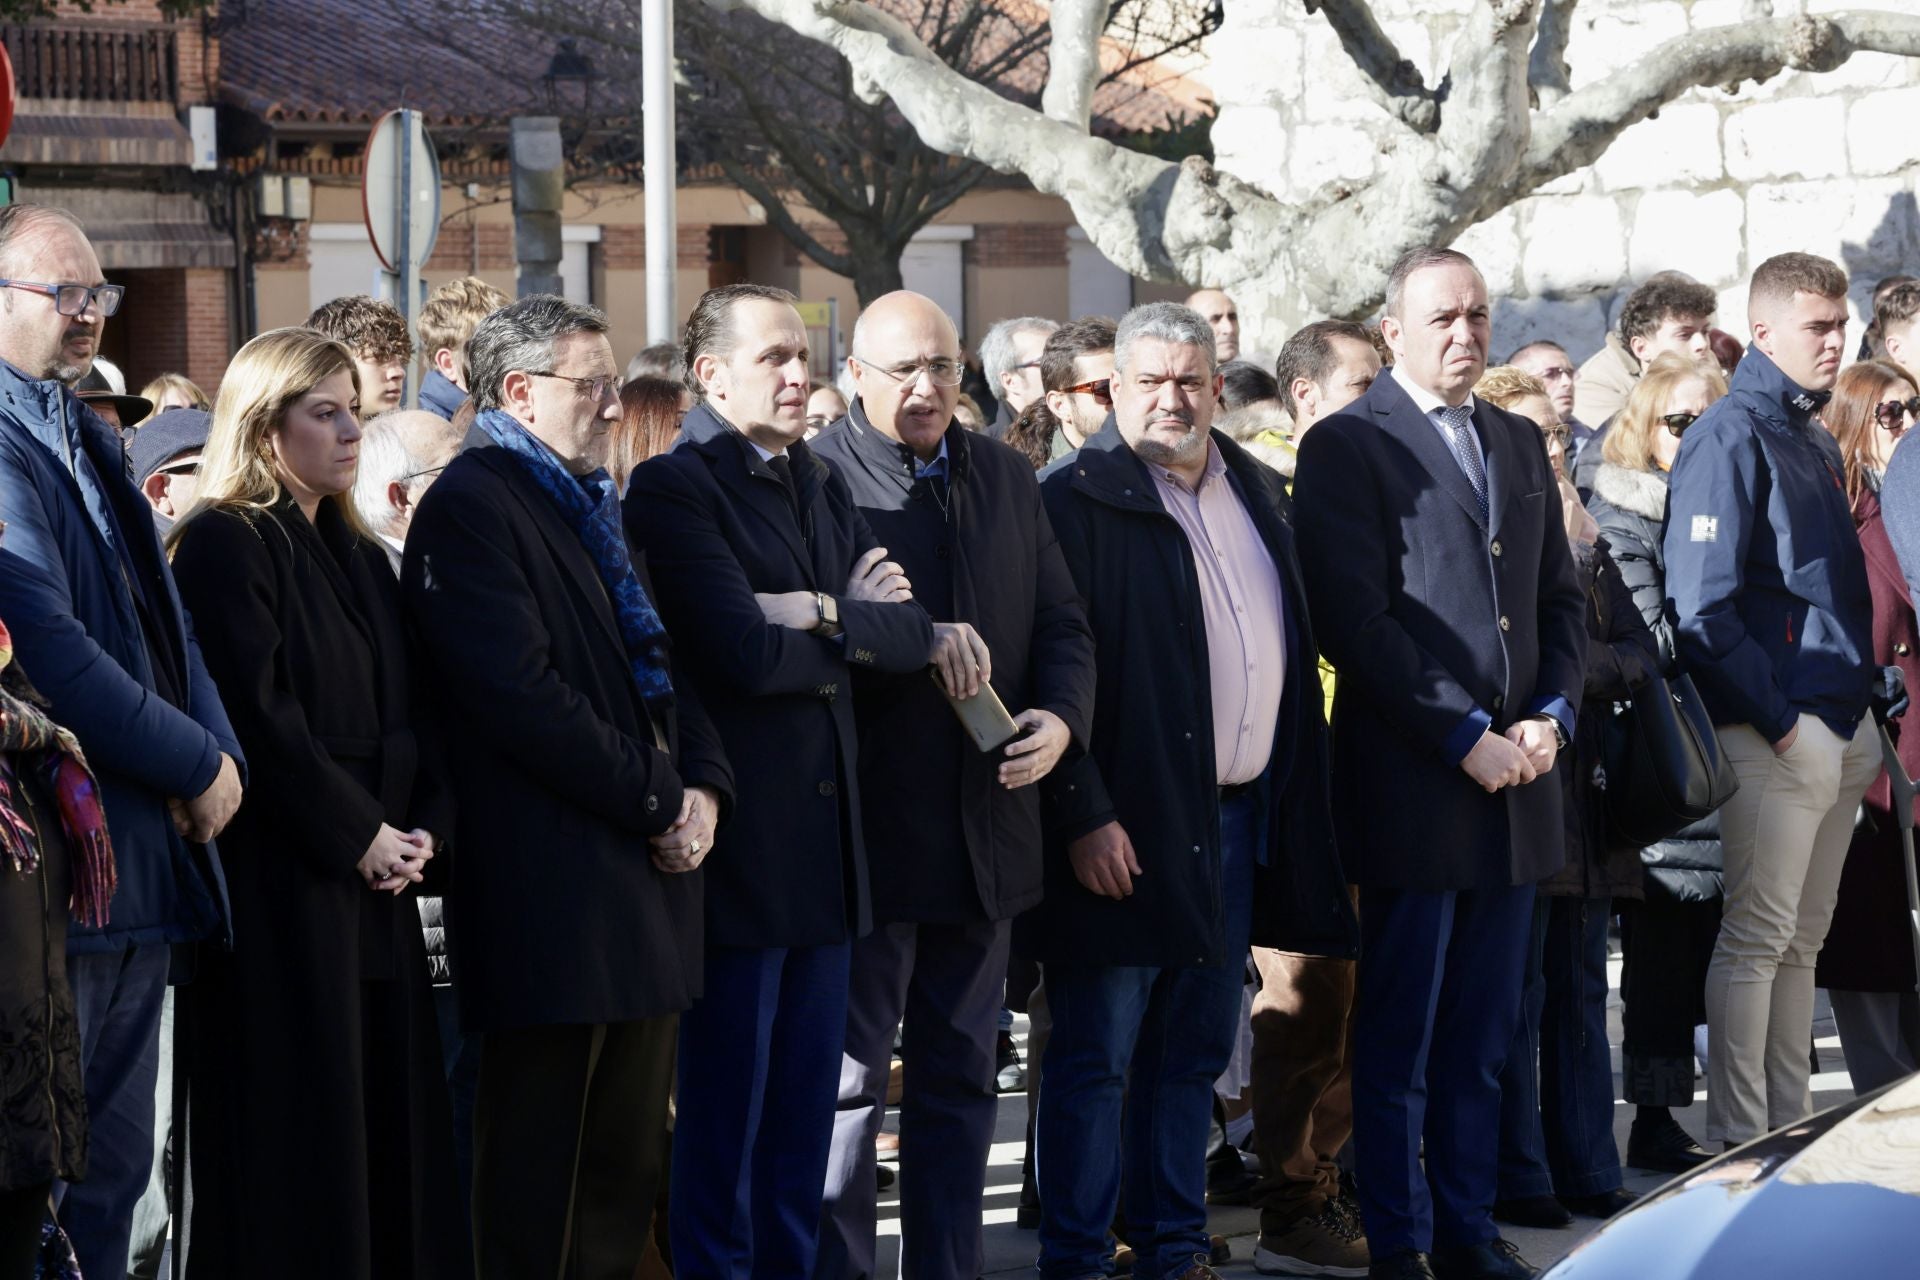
789,869
1150,762
945,840
1436,616
311,1048
556,914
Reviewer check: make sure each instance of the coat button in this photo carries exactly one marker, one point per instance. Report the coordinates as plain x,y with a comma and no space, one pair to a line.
1902,650
1499,701
826,788
1504,624
1495,548
653,804
942,553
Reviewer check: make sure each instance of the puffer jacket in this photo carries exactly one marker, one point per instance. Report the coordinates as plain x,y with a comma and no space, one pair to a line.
1630,506
1620,657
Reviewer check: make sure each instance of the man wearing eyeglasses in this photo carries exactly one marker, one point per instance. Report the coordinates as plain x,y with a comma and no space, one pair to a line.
588,783
101,628
953,825
1076,366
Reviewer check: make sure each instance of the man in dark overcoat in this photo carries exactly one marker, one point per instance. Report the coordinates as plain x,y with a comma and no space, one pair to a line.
778,593
954,828
588,783
1442,588
1195,821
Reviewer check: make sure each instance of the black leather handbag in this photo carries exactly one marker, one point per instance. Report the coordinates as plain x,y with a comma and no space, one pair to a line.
1664,767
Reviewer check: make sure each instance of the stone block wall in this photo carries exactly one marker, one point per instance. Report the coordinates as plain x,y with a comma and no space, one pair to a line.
1713,185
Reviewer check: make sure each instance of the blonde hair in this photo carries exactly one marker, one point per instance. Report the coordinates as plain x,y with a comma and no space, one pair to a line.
267,377
1504,386
453,311
156,391
1629,441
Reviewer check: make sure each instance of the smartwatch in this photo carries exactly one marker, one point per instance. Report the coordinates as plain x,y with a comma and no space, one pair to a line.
828,609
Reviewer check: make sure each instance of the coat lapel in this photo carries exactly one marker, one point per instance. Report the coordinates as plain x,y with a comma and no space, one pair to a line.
1401,418
1502,465
567,548
742,472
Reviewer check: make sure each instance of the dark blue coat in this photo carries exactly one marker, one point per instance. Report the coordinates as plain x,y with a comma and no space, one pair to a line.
1150,766
948,841
1442,623
65,593
789,867
1772,615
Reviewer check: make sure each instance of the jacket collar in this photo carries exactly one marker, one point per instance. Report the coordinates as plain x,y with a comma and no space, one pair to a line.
1400,417
887,456
1759,381
1106,469
737,466
1642,493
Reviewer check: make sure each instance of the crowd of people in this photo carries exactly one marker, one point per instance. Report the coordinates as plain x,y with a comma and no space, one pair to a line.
541,833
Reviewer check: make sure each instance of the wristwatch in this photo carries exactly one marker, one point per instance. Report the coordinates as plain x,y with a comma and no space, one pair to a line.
829,615
1559,730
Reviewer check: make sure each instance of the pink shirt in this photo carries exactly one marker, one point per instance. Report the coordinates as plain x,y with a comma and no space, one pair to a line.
1240,601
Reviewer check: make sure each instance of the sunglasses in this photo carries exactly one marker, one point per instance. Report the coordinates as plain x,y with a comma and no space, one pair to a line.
1101,390
1888,414
1679,422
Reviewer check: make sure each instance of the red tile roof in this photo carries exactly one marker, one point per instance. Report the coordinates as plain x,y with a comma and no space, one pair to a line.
349,61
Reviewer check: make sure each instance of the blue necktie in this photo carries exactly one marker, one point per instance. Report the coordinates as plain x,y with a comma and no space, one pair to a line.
1457,424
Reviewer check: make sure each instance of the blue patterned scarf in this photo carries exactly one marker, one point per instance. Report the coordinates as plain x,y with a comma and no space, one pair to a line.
591,507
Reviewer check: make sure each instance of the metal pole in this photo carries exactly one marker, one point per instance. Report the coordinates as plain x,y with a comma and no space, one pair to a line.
403,202
658,170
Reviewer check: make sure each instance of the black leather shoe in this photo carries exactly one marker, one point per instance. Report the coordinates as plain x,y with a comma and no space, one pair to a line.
1532,1211
1230,1183
1603,1205
1497,1259
1403,1264
1664,1148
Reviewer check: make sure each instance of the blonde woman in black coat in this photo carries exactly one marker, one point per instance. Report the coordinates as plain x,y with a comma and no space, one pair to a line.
320,1139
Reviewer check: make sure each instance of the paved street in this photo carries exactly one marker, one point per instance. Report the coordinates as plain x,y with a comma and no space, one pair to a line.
1010,1251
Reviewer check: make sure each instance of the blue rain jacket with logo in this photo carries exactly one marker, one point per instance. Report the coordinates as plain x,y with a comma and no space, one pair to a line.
1766,584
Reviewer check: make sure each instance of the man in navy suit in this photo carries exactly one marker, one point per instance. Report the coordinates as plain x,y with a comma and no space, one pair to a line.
773,585
1442,590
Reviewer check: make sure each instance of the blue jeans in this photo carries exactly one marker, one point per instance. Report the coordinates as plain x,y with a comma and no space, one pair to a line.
1127,1085
1556,1124
759,1076
118,996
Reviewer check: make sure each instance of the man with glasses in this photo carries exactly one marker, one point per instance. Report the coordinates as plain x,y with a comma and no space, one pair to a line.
402,451
588,783
953,825
96,619
1010,357
1549,362
1076,367
778,593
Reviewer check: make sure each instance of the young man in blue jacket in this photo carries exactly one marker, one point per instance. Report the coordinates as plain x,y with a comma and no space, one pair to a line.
1774,622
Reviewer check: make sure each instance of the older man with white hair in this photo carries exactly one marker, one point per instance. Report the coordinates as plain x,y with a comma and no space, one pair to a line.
401,452
1010,357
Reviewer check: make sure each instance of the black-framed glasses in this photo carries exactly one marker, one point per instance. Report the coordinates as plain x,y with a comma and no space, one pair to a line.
1888,413
1677,423
74,299
944,372
598,388
1101,389
430,471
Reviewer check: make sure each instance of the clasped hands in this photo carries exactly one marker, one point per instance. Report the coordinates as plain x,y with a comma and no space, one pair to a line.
1524,752
874,579
396,858
686,844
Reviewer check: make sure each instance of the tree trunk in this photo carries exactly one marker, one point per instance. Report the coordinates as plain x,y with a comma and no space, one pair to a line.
876,271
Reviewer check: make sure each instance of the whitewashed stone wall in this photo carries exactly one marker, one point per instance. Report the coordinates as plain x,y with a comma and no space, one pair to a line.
1713,185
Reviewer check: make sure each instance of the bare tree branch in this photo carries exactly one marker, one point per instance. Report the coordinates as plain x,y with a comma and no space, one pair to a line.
1073,61
1396,80
1574,133
1547,72
777,215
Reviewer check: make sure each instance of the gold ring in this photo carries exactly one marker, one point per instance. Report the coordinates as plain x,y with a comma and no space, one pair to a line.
696,846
